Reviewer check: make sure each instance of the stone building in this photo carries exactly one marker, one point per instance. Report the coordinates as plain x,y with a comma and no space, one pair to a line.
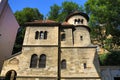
110,72
55,51
8,31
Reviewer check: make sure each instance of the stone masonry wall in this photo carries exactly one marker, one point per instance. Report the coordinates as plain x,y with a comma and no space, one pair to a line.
52,36
71,20
75,59
21,63
73,39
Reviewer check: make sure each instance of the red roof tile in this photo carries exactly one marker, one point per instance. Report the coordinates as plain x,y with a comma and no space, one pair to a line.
43,21
66,24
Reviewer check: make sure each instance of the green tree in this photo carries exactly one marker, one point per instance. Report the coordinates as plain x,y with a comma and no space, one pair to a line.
58,13
110,59
54,12
105,21
25,15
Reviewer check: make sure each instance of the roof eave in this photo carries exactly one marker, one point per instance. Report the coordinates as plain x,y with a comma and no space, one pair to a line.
41,24
77,13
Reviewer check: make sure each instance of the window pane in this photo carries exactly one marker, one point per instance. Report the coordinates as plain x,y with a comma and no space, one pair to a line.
42,61
36,35
63,37
41,35
45,35
34,59
63,64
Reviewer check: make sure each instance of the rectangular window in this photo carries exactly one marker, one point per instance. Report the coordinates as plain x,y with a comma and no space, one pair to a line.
81,38
63,37
84,65
63,64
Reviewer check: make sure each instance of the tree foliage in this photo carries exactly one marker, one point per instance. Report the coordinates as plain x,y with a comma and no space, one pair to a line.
105,22
25,15
110,59
54,12
58,13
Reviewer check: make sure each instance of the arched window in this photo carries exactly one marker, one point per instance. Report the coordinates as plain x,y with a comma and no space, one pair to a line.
33,63
63,64
36,35
41,35
42,61
45,35
63,37
75,21
78,20
11,75
82,21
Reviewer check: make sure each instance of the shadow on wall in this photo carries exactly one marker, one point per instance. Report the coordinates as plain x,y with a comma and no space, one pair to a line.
96,63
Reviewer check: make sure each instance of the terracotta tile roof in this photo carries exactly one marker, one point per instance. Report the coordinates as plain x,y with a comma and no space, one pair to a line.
66,24
42,22
77,13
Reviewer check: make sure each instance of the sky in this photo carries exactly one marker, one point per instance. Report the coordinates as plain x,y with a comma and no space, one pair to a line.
42,5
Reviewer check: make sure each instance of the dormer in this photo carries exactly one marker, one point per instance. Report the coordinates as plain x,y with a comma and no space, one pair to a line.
78,18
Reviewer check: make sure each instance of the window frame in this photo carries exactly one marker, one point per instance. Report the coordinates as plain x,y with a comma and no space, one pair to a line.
34,61
63,64
42,61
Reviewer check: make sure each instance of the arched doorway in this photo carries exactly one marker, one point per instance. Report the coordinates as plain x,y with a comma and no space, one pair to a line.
11,75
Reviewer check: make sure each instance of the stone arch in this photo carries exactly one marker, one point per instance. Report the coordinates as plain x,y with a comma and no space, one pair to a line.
14,61
11,75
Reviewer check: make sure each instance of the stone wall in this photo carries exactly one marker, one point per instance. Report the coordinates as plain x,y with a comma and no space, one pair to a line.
110,72
68,42
79,57
34,78
79,37
71,20
75,59
52,35
81,79
21,63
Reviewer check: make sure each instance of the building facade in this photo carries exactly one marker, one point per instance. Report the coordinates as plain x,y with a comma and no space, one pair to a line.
110,72
8,31
55,51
